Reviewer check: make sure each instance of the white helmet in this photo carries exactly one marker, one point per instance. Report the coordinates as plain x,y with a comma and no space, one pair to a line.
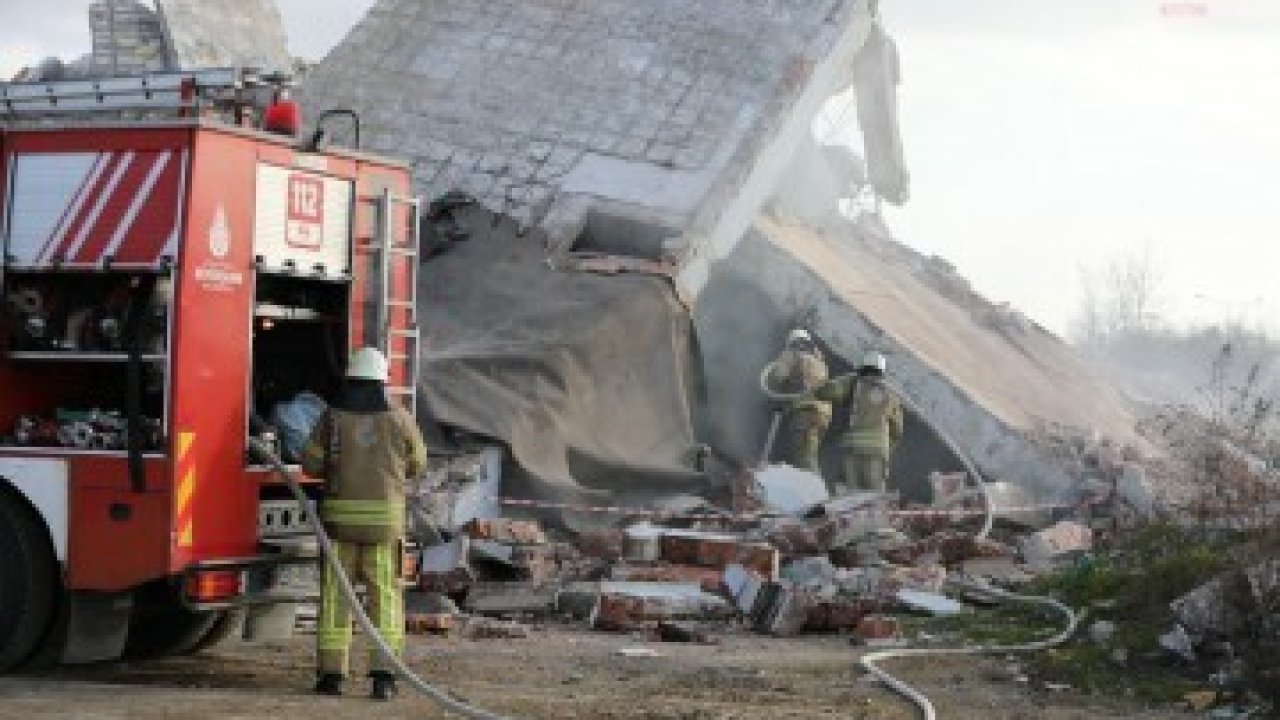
368,364
873,361
799,335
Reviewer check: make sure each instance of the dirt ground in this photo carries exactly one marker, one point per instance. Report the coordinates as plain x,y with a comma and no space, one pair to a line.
557,672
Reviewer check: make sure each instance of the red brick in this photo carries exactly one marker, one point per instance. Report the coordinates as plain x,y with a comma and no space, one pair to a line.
838,615
877,627
423,623
506,530
720,553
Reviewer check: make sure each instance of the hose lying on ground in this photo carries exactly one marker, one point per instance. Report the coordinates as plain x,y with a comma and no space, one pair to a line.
868,661
362,618
981,485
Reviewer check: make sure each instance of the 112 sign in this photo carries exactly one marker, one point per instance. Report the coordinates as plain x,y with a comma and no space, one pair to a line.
305,228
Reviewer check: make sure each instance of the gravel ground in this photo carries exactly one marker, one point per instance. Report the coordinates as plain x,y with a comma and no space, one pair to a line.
556,672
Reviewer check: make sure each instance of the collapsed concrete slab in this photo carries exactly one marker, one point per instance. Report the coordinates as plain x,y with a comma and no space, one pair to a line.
665,110
987,377
661,130
226,33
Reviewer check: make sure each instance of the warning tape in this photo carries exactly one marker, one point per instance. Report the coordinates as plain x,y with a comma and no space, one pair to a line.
677,515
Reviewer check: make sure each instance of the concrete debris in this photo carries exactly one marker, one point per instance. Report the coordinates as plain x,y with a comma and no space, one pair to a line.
846,564
1013,503
429,623
1045,547
1179,643
464,488
639,652
1102,631
789,489
1230,604
1135,490
445,568
642,542
624,606
668,631
510,599
429,603
930,603
709,579
485,629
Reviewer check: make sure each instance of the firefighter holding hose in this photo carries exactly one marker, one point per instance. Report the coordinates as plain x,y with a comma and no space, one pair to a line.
798,371
365,450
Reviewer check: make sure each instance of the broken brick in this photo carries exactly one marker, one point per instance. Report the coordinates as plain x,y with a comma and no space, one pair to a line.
506,530
877,627
838,614
719,551
424,623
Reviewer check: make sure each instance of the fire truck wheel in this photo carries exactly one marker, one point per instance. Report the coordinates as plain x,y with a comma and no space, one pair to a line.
230,623
28,582
162,626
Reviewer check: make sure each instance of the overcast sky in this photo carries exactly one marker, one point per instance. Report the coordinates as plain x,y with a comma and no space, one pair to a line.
1043,136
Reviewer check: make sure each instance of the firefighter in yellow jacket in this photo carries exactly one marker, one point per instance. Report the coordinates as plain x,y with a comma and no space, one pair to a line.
365,450
875,424
800,370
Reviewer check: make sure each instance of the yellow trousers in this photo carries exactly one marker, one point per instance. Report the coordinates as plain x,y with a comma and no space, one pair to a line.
378,567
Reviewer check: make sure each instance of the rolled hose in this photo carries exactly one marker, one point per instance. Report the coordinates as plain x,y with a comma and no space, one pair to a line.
978,482
868,661
433,693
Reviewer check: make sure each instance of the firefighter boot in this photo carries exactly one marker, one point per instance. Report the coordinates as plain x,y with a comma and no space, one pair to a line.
384,686
329,684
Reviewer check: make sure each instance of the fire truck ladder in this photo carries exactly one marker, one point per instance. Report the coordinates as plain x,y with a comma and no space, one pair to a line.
400,342
225,90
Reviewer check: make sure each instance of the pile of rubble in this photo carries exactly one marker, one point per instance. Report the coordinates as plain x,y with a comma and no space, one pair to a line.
833,565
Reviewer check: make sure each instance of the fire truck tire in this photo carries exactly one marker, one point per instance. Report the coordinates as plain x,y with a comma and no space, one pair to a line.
162,626
230,623
29,583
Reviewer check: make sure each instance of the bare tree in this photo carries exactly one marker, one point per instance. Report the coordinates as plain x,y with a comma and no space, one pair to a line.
1123,303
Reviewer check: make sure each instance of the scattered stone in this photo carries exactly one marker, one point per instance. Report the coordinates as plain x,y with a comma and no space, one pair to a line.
485,629
930,603
1200,700
683,633
625,606
1045,547
429,623
507,599
789,489
429,603
877,627
1179,643
639,652
1102,631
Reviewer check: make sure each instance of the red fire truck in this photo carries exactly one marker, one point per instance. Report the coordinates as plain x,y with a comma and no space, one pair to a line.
171,272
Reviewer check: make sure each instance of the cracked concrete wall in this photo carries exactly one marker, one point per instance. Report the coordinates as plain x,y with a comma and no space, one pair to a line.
542,108
225,33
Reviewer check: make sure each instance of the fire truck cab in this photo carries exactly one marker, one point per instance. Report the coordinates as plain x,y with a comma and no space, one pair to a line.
172,276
